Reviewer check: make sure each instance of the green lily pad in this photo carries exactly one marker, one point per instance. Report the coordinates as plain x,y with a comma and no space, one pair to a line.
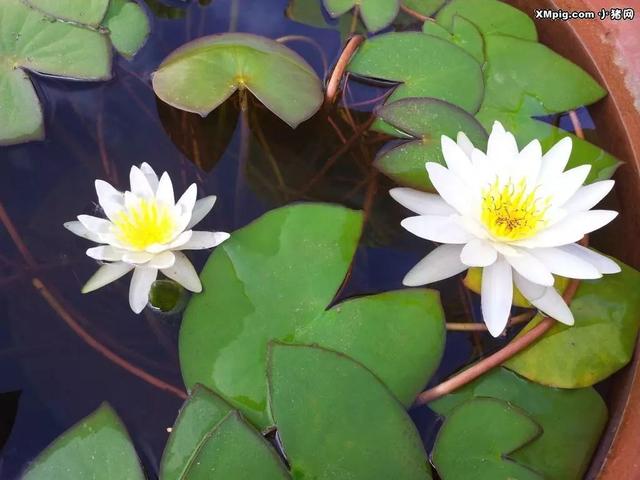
463,33
424,66
425,120
31,41
310,12
491,17
607,314
478,440
424,7
87,12
202,74
572,421
273,280
98,447
202,411
234,449
375,14
128,26
337,420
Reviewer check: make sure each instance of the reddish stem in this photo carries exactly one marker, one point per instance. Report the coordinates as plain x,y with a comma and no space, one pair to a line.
336,76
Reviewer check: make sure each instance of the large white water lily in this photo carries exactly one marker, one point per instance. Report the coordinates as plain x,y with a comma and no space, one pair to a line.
516,214
146,231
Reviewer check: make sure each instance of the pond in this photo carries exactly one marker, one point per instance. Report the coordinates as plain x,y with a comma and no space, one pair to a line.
64,353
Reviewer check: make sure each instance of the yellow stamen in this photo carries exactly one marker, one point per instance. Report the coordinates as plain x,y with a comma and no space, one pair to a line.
512,212
144,224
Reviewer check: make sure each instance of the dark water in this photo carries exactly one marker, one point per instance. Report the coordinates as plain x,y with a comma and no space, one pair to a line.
52,376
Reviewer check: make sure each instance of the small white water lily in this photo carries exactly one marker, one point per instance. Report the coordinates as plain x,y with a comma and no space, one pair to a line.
516,214
145,231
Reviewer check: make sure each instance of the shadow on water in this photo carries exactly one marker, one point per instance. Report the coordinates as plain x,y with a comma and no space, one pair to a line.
252,162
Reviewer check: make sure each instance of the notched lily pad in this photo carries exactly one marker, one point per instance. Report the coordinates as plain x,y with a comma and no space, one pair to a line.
273,280
376,14
425,120
607,314
128,26
463,33
337,420
311,12
98,447
87,12
202,74
478,440
572,420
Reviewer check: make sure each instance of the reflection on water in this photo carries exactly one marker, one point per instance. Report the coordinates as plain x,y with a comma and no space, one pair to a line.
253,163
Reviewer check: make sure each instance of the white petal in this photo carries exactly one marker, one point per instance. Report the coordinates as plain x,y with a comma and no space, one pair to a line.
450,187
200,210
437,228
565,264
110,199
566,185
555,160
421,202
180,240
442,262
464,143
588,196
204,240
139,183
164,193
105,253
569,230
602,263
530,267
183,272
150,174
106,274
77,228
143,278
528,163
165,259
478,253
95,224
457,161
497,296
547,299
188,199
502,146
136,258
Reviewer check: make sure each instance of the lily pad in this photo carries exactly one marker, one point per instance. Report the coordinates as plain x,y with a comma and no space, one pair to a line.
607,314
478,440
98,447
202,74
463,33
571,420
491,17
423,66
375,14
128,26
273,280
87,12
202,411
337,420
425,120
31,41
310,12
424,7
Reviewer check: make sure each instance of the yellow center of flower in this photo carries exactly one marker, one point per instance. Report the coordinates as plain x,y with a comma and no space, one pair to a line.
144,224
512,212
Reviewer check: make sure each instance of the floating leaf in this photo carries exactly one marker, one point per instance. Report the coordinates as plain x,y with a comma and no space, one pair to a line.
424,7
337,420
98,447
128,26
273,280
202,411
607,314
31,41
491,17
424,66
571,420
478,440
202,74
376,14
463,33
425,120
87,12
310,12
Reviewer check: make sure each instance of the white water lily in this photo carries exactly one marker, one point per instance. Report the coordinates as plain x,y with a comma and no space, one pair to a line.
146,231
516,214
